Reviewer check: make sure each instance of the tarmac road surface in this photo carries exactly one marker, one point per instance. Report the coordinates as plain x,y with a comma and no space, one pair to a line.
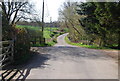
64,61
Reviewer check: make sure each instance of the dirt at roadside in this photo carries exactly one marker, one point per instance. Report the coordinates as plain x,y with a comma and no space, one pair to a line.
113,53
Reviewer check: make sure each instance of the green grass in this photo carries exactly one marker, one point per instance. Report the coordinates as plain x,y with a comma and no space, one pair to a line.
47,32
86,46
29,27
51,43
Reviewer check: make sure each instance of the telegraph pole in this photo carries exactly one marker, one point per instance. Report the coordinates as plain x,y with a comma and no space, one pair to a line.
43,17
50,24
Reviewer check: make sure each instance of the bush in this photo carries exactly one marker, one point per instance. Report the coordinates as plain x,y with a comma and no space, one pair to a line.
55,40
61,33
7,32
22,46
51,35
55,32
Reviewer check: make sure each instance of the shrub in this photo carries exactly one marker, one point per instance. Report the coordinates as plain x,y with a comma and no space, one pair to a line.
61,33
55,32
55,40
22,46
51,35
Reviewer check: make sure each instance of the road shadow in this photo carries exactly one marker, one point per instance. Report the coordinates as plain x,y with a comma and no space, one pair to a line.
22,71
79,52
39,60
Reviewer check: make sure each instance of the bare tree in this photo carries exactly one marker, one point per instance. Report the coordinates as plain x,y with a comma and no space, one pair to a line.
69,17
36,18
14,11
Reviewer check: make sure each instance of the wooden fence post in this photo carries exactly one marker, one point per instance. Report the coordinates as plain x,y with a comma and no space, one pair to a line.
7,55
12,50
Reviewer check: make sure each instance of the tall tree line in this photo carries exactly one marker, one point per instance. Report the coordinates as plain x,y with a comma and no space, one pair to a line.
69,18
100,22
102,19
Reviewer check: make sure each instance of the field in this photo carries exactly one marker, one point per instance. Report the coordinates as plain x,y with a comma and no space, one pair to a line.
48,33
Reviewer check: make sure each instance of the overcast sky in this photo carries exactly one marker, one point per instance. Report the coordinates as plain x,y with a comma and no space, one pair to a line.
51,8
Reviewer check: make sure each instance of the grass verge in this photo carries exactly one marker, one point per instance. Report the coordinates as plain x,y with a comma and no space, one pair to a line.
86,46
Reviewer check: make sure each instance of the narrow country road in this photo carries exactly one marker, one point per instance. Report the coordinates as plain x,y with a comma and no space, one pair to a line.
64,61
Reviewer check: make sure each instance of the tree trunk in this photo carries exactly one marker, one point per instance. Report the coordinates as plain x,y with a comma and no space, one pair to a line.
102,42
103,39
119,40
